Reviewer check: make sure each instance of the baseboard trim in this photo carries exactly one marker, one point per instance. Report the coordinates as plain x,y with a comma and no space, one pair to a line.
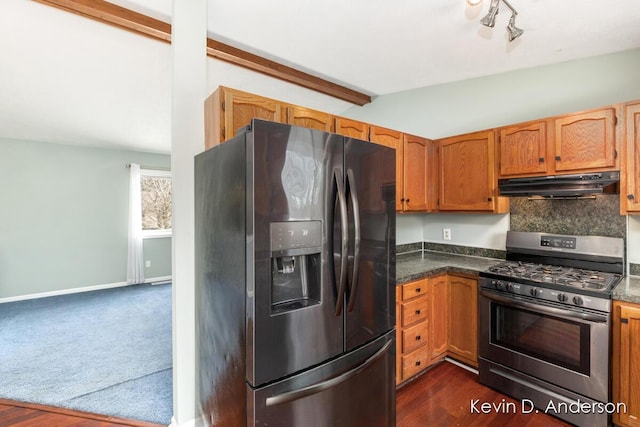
153,281
460,364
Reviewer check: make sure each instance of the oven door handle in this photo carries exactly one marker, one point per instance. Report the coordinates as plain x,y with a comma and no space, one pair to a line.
557,312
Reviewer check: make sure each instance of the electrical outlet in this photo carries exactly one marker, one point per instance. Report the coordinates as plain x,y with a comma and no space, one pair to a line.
446,234
147,263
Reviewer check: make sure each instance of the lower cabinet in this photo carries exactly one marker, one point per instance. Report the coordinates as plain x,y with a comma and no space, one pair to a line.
435,317
412,329
626,362
463,319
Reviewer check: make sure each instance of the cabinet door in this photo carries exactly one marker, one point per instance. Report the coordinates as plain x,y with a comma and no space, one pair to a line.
626,362
523,149
439,319
463,318
239,108
631,168
398,335
416,164
308,118
467,172
352,128
393,139
585,141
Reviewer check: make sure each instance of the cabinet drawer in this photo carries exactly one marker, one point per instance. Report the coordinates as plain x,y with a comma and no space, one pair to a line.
414,362
414,289
414,337
414,311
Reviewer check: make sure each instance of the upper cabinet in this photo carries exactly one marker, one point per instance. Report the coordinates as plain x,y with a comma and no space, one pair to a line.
586,141
523,149
630,181
418,173
228,110
308,118
467,174
574,143
352,128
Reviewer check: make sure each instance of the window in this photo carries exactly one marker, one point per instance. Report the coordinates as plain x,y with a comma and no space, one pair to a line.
155,186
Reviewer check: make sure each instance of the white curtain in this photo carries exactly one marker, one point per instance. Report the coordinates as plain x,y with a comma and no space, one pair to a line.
135,268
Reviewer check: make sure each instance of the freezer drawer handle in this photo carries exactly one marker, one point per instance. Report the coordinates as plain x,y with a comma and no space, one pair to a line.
290,396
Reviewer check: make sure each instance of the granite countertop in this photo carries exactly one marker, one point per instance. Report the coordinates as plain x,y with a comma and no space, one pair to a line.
418,265
627,290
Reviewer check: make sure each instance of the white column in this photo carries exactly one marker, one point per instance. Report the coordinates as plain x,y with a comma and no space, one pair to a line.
188,48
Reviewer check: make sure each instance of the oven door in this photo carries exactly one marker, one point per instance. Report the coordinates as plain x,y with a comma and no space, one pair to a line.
565,346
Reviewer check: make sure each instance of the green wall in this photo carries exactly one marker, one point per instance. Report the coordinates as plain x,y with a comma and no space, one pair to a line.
63,217
496,100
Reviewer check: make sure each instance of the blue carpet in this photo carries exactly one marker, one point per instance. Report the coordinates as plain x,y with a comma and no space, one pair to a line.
107,352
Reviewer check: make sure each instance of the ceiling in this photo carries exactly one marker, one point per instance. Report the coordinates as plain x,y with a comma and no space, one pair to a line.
68,79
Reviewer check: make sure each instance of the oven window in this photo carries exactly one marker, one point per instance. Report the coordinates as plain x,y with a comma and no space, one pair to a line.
557,341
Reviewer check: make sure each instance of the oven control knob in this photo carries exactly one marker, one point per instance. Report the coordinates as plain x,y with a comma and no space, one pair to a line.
510,287
562,297
499,284
534,292
577,301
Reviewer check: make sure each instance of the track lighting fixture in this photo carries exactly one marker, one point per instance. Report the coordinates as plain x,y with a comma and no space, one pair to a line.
490,19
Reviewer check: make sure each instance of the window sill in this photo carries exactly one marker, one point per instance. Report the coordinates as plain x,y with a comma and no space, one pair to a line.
156,234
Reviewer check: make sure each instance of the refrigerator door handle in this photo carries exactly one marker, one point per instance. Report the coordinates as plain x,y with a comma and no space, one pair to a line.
327,384
342,284
356,244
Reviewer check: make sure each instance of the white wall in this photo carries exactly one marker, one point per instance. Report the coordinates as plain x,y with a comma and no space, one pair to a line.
633,242
486,102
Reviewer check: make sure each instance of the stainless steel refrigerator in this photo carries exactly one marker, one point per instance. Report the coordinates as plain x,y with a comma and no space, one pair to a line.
295,280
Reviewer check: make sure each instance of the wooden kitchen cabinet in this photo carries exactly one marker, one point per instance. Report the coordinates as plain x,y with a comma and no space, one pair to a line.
523,149
308,118
352,128
586,141
467,178
417,174
626,362
463,319
227,110
412,309
439,325
630,170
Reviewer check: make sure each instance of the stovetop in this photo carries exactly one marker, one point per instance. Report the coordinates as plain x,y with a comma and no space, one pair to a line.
574,279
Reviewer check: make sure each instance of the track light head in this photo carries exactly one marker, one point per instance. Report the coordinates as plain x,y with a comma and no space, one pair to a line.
513,31
490,19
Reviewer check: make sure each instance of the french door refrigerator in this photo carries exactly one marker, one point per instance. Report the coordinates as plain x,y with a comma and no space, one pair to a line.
295,280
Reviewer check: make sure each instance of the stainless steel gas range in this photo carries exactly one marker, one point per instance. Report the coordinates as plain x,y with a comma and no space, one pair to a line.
544,323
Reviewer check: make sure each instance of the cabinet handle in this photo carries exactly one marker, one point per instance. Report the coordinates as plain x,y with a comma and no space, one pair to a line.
417,289
418,363
417,337
489,199
541,160
623,320
630,196
558,158
402,200
417,311
407,200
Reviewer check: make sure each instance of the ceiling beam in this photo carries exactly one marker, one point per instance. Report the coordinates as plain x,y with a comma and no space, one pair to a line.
127,19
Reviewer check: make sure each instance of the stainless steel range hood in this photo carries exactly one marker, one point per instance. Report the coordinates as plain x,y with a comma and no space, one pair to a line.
558,185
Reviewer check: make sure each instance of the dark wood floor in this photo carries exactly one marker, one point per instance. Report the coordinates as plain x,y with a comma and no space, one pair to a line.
18,414
443,395
440,397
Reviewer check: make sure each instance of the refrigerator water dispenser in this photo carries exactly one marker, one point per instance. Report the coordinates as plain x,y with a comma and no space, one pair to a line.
295,265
